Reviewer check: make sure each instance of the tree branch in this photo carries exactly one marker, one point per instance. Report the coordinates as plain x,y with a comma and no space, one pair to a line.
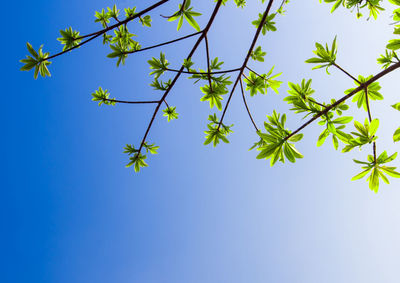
253,43
180,10
344,98
247,108
344,71
208,62
97,34
196,45
164,43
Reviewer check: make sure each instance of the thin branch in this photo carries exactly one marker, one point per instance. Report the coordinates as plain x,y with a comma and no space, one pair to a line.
344,71
253,43
247,78
281,6
208,62
344,98
316,102
196,45
204,73
131,102
97,34
247,108
164,43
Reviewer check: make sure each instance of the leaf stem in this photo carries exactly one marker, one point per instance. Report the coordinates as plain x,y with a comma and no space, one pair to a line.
247,107
204,73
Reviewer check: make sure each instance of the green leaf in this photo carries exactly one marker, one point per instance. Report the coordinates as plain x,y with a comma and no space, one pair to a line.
170,113
396,135
343,120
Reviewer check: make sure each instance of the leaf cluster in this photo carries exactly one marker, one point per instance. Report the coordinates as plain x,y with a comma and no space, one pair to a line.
102,96
371,92
37,61
274,144
378,171
365,135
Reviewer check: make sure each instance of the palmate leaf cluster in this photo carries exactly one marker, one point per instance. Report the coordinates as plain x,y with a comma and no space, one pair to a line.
325,57
170,113
260,83
372,91
269,24
365,135
300,98
217,131
372,5
159,66
70,38
137,159
37,61
257,54
102,96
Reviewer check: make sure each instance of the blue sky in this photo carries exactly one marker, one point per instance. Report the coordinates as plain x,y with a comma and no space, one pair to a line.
73,213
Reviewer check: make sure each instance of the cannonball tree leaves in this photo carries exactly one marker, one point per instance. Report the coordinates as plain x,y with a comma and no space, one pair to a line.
377,170
275,144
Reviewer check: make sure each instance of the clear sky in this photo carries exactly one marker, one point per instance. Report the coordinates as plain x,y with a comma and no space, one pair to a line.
71,212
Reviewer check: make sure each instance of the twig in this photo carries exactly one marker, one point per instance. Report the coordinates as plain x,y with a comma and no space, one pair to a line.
208,62
247,108
344,71
203,73
370,119
180,10
196,45
97,34
344,98
164,43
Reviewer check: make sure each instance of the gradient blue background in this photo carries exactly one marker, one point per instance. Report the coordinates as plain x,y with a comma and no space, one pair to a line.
71,212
